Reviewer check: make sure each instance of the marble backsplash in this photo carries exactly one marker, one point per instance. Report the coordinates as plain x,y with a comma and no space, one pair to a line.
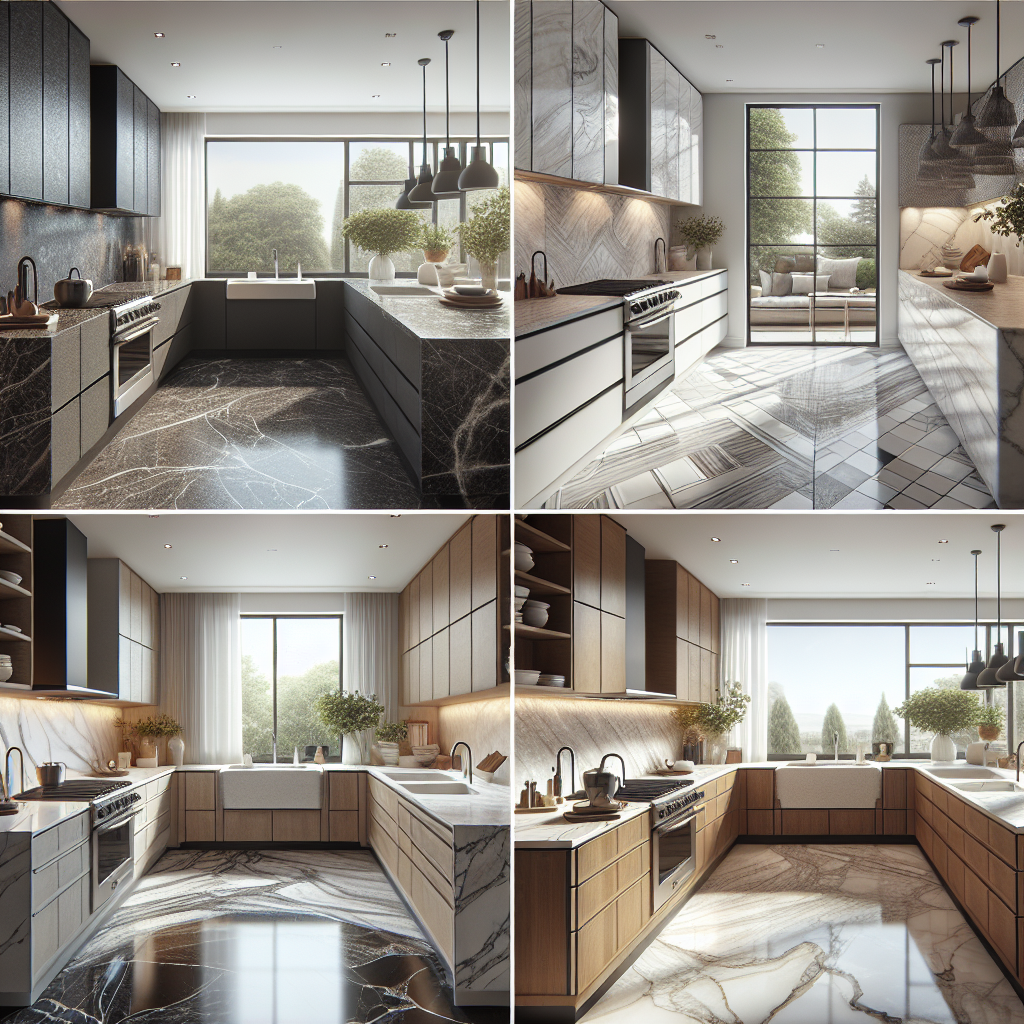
49,730
58,239
484,725
644,734
923,232
586,235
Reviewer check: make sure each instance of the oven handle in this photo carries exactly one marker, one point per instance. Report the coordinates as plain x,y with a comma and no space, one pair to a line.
673,823
655,318
109,826
142,328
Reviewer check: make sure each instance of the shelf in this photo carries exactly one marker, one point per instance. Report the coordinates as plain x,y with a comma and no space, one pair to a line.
536,633
13,690
539,586
536,540
10,634
9,590
12,546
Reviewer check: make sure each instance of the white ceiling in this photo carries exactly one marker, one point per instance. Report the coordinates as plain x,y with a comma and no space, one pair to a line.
871,46
330,57
884,555
289,552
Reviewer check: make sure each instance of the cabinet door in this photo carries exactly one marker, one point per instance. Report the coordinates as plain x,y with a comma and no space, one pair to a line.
693,610
671,132
682,603
705,618
26,99
551,34
55,105
659,152
124,668
460,656
154,615
135,621
5,101
78,119
588,90
611,98
153,159
613,567
414,613
716,625
682,669
683,171
523,84
125,147
426,601
439,572
140,142
586,648
485,559
696,148
460,573
613,653
411,661
136,671
146,603
439,645
426,650
147,689
707,660
485,647
586,559
694,652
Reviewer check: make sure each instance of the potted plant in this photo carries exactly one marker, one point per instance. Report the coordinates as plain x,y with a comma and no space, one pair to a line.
389,736
149,731
714,722
1008,221
942,712
991,720
700,234
488,233
436,241
351,715
383,232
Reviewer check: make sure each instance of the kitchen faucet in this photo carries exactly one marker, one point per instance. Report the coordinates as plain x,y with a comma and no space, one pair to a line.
1017,758
7,770
835,738
273,735
663,252
558,771
273,252
468,764
622,760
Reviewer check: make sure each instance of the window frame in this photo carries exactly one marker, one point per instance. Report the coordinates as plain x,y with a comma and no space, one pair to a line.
435,147
274,617
877,107
989,637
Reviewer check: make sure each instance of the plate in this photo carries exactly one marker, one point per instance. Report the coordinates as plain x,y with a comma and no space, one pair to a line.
13,629
968,286
469,305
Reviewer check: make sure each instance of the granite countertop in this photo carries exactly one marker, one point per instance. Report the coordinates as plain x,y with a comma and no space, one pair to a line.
1003,306
430,321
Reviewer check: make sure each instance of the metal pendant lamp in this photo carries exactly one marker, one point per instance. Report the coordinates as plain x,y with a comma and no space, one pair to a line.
951,164
1010,673
1017,142
998,116
479,173
976,666
988,679
404,202
927,170
966,136
446,182
421,192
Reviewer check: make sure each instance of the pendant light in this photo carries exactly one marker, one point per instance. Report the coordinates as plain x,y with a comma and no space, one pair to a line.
1010,673
404,202
446,182
988,679
998,116
966,136
1018,665
478,173
976,666
927,171
421,192
951,164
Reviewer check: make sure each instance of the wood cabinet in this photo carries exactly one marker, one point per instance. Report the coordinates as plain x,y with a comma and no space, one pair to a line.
153,820
197,807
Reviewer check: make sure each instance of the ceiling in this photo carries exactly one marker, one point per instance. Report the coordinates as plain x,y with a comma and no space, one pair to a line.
870,46
304,552
832,555
329,59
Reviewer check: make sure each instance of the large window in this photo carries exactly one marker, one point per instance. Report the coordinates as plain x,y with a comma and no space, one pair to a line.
826,678
292,195
812,224
287,662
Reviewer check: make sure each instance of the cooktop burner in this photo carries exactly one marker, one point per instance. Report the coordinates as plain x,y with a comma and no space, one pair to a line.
74,789
649,790
609,287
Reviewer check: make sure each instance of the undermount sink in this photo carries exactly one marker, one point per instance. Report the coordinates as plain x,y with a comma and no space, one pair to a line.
402,775
437,788
271,288
963,773
404,289
271,786
988,786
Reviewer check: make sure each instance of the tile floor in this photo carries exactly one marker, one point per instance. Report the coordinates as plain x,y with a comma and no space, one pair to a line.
815,935
796,428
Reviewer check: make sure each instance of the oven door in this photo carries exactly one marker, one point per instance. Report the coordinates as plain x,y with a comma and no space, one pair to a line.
113,857
132,365
674,853
650,356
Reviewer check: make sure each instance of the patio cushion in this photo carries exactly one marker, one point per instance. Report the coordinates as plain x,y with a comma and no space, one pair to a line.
842,273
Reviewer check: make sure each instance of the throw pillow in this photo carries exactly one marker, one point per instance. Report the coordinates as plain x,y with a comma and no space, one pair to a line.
766,282
782,284
842,273
785,265
803,284
804,264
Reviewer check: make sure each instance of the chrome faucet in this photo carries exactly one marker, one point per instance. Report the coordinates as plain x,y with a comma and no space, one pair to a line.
273,252
622,761
1016,758
664,253
273,735
7,770
468,764
558,771
835,739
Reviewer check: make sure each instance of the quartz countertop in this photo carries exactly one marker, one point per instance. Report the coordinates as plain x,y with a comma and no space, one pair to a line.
428,320
1002,307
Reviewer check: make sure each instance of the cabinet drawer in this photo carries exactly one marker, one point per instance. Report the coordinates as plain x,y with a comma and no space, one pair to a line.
1002,842
597,892
69,912
431,906
45,937
200,791
200,827
384,821
976,897
435,849
600,852
343,826
248,826
72,832
383,845
1002,880
387,798
344,791
1002,930
296,826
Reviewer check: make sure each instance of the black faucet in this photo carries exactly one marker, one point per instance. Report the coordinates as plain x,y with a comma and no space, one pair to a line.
23,264
664,253
558,771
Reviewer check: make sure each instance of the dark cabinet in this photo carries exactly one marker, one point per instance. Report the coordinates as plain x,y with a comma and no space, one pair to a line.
140,143
55,106
78,118
5,132
153,159
25,52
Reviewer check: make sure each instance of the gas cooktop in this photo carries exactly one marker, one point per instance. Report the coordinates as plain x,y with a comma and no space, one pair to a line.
649,790
609,286
85,790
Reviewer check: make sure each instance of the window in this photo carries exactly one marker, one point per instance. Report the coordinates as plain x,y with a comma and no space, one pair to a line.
812,224
287,662
293,194
825,677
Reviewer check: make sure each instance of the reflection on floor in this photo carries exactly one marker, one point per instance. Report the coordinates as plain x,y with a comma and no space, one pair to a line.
247,937
251,434
815,934
788,428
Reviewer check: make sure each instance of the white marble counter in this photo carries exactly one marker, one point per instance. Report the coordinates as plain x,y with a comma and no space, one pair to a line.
1002,307
1005,808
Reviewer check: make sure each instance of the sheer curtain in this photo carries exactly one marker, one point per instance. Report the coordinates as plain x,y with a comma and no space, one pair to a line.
179,235
745,660
201,673
371,647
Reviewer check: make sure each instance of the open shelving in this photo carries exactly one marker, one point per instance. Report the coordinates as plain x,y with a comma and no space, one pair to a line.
16,605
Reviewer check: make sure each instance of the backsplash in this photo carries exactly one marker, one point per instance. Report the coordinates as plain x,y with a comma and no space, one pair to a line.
586,235
68,731
484,725
924,231
59,239
644,734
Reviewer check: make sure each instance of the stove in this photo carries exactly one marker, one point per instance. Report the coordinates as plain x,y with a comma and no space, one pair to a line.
666,796
104,795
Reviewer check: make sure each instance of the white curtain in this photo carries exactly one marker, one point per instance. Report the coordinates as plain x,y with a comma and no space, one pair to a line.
179,235
371,648
745,660
201,673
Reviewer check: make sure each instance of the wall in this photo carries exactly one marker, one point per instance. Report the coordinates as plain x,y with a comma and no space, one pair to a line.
59,239
586,235
485,725
923,232
892,610
368,124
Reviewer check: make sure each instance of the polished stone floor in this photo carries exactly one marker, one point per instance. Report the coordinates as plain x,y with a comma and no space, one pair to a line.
246,937
786,428
815,935
250,434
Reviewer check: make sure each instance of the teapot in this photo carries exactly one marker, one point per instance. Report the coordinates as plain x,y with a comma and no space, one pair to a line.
600,785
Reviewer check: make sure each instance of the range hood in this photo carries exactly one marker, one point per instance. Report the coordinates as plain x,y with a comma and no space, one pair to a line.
629,695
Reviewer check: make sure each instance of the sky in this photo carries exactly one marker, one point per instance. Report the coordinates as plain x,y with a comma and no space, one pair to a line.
301,644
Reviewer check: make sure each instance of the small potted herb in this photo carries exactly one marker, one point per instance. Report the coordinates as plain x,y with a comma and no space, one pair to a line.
700,234
383,232
488,233
353,716
991,720
149,732
942,712
389,737
714,721
436,241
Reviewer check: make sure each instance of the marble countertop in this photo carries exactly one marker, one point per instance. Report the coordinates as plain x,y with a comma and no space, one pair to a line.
1005,808
1003,306
430,321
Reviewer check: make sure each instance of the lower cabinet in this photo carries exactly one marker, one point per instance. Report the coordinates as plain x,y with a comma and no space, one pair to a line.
153,821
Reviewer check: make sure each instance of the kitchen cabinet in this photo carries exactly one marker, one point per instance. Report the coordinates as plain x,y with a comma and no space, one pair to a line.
26,99
79,177
5,101
55,106
153,159
197,807
152,821
599,604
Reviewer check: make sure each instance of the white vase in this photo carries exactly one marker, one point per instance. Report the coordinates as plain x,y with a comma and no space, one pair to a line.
704,258
355,747
997,268
382,268
388,752
489,275
943,748
176,748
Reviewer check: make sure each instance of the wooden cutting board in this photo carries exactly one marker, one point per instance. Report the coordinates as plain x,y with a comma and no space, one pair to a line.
975,257
957,286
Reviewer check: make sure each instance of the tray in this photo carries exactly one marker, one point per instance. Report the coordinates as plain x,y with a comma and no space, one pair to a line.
469,305
614,807
573,817
537,810
931,273
673,771
958,286
42,321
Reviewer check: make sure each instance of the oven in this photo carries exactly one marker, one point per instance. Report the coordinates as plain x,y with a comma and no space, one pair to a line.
132,362
113,856
649,355
673,854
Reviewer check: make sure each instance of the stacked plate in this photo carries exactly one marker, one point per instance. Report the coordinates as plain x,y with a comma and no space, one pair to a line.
547,679
6,669
487,299
522,593
527,676
13,629
11,577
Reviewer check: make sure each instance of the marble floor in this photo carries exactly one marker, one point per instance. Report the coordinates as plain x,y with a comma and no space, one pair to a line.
786,428
247,937
250,434
798,934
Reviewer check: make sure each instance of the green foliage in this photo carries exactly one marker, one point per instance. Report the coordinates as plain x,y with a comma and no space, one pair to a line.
436,238
242,230
346,713
383,231
944,711
867,274
392,732
488,232
775,174
991,715
783,731
864,208
153,727
700,232
714,719
884,728
1008,217
834,724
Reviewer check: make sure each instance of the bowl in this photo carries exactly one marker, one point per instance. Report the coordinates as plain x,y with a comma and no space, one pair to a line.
527,676
6,671
535,613
523,557
523,592
11,577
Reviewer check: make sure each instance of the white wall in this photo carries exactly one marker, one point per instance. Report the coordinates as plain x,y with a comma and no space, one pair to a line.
892,610
293,604
366,124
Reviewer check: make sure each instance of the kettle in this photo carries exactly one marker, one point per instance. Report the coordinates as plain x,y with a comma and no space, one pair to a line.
601,786
72,293
50,773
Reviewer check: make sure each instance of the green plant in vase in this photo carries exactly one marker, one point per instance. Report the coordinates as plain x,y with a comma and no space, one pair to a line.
383,232
942,712
389,736
1008,217
348,713
487,235
991,720
436,241
700,234
150,731
714,722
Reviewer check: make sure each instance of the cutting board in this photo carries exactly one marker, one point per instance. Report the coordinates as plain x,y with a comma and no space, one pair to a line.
958,286
975,257
41,322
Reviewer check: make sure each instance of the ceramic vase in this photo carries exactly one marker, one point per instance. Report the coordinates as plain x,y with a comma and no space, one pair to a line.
381,268
704,258
997,268
176,748
988,732
388,752
355,747
489,275
943,748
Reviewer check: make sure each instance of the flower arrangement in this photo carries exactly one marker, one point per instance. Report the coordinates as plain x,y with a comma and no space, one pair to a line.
154,727
942,712
700,232
1008,216
488,232
714,719
392,732
991,720
436,241
383,232
346,713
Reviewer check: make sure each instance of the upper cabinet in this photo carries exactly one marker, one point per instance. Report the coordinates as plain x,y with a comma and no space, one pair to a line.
125,145
661,116
566,106
44,105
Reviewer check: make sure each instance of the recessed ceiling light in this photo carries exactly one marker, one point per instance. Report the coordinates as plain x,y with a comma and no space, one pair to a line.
382,546
744,584
153,517
396,515
271,549
833,551
706,36
158,35
929,584
182,577
735,561
730,79
168,546
371,577
716,540
943,541
385,63
277,47
719,46
819,46
191,96
175,64
375,96
390,35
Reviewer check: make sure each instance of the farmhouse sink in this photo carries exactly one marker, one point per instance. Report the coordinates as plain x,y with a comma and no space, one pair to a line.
437,788
963,773
271,288
846,785
277,786
404,289
402,775
988,786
